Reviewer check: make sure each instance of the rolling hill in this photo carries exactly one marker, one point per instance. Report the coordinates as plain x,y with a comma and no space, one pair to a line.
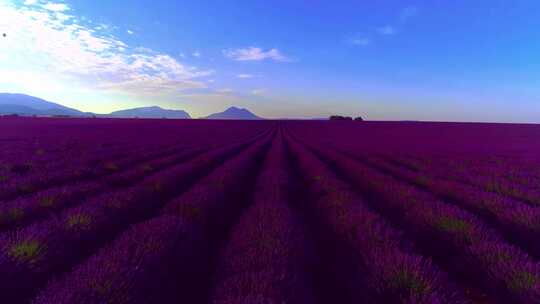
30,105
234,113
27,105
150,112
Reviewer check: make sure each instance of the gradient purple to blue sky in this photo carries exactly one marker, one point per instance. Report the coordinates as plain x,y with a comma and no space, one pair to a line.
385,60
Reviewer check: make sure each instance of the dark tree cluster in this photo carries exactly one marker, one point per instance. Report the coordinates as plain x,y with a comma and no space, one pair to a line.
338,117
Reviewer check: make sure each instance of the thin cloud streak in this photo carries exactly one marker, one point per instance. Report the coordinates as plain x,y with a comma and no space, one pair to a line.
244,76
408,13
224,91
387,30
55,7
258,92
255,54
360,41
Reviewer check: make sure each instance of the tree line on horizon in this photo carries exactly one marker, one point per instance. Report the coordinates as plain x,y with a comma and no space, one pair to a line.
339,117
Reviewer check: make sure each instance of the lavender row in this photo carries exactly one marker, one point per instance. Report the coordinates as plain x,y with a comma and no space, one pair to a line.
164,257
266,259
24,173
27,209
86,168
519,221
394,272
112,173
31,255
89,168
511,171
478,254
68,172
40,157
491,181
75,140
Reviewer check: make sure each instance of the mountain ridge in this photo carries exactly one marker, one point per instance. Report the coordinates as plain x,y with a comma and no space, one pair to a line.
234,113
26,105
150,112
30,105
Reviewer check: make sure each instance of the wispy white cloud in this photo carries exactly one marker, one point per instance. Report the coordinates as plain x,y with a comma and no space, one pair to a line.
196,54
259,92
51,40
386,30
361,41
408,13
155,73
224,91
244,76
55,7
130,32
255,54
144,50
30,2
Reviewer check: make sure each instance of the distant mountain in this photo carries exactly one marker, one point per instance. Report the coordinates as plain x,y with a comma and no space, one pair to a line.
234,113
150,112
29,105
17,109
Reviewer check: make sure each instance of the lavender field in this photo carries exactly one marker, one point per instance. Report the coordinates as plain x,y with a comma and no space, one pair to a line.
222,212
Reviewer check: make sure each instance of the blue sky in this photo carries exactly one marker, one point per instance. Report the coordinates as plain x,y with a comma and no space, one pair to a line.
387,60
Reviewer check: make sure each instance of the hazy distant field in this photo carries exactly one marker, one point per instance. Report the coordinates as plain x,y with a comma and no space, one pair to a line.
198,211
